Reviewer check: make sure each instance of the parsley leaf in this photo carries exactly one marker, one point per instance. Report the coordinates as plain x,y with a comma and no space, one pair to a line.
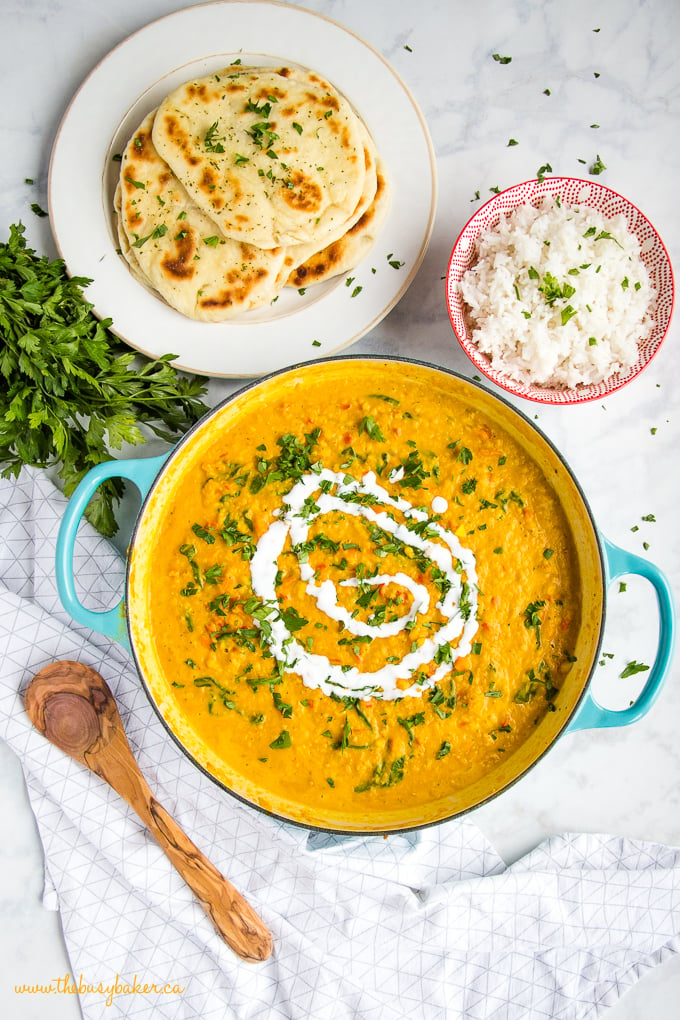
632,668
70,391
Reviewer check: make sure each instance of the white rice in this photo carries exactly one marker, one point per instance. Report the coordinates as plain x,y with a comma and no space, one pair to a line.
525,316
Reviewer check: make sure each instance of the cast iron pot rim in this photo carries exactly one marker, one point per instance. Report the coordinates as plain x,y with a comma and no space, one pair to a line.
301,366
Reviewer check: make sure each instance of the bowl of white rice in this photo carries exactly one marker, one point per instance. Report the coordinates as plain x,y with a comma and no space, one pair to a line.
560,290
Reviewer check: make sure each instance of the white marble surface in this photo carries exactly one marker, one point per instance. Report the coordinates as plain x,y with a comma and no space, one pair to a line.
625,780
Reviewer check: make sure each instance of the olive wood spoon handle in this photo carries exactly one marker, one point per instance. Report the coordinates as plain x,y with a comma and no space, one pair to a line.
72,705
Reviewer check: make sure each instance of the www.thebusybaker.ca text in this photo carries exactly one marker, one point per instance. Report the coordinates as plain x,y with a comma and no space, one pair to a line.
67,985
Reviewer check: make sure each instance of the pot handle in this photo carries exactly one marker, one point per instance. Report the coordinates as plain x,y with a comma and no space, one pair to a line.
619,562
141,473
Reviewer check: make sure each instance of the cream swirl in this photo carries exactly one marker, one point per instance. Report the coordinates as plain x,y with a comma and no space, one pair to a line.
310,498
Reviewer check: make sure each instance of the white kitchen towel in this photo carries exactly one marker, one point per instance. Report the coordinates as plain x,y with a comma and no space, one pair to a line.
421,925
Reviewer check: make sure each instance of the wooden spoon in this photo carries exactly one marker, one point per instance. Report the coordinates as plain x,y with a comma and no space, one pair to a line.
72,705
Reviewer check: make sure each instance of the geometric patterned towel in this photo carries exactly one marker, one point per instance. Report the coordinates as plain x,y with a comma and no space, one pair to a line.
423,925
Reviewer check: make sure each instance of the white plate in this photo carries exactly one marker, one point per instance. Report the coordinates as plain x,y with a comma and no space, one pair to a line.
133,79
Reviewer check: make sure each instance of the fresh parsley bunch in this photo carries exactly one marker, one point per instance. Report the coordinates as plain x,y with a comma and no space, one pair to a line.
70,391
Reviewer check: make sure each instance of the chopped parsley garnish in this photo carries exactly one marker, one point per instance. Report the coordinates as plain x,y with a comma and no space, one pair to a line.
159,231
292,462
382,776
409,723
532,618
261,132
282,741
292,619
534,683
552,290
233,535
371,428
203,533
414,471
632,668
213,142
383,396
597,167
216,687
283,707
492,691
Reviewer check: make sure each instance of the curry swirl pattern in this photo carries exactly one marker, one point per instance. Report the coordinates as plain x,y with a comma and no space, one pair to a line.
336,494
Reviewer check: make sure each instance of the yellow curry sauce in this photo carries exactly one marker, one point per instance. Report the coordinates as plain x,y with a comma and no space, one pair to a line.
398,494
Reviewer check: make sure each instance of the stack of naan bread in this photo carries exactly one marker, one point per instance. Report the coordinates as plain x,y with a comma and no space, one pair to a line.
244,182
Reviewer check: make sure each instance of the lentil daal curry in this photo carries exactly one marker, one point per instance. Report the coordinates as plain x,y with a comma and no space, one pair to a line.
362,594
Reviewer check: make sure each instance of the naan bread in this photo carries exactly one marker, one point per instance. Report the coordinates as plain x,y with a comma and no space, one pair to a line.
178,250
299,253
244,182
272,156
348,250
124,242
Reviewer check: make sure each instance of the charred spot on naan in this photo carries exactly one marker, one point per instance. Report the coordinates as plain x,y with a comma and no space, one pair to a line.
318,267
133,178
330,102
244,284
233,190
240,283
324,105
142,146
268,93
180,263
208,182
235,86
303,192
197,89
181,139
348,250
172,125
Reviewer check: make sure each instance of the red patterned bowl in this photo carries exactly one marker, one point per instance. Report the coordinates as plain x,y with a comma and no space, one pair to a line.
575,192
